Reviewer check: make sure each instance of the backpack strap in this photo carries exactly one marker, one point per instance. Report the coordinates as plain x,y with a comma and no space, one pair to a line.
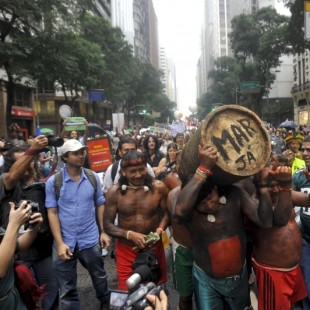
114,170
90,175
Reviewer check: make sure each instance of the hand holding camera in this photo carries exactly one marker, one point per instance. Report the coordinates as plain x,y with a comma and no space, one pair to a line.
29,212
158,303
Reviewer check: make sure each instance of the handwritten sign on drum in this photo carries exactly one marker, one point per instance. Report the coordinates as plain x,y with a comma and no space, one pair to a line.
241,140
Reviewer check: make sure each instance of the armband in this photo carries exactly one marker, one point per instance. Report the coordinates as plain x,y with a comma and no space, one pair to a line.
127,235
205,170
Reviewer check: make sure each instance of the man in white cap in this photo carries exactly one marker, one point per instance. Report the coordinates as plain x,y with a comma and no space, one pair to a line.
76,219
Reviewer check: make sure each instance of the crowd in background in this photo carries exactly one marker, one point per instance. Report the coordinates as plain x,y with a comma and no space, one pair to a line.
161,150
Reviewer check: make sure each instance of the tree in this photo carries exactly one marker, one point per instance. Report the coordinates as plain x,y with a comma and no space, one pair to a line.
296,34
260,38
21,23
227,75
120,66
69,60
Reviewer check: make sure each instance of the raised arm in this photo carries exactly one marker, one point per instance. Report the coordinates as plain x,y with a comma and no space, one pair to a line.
22,164
283,205
189,193
259,210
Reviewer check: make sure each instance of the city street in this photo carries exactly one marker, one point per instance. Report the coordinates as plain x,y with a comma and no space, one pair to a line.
87,293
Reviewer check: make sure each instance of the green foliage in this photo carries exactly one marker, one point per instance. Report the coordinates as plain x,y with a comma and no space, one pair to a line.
59,41
120,65
295,35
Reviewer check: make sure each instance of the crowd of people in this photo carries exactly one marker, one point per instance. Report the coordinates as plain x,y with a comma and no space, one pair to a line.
55,212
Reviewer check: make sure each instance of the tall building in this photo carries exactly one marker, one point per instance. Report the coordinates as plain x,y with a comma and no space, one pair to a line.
167,66
215,35
280,90
103,8
171,80
138,22
301,88
163,67
122,17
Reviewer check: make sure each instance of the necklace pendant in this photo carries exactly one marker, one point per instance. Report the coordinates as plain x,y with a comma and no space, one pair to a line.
222,200
211,218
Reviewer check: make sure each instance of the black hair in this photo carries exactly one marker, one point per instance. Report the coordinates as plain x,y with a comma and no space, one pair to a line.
126,139
9,158
78,134
146,141
172,145
130,159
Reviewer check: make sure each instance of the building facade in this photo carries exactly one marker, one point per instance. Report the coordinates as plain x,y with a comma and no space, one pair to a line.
301,88
215,36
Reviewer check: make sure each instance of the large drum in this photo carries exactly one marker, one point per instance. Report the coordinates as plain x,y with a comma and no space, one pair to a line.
241,140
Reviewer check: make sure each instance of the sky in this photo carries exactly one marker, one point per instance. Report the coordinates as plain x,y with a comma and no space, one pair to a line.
179,28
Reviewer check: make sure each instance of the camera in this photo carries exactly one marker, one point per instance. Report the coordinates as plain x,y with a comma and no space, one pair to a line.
34,209
145,268
54,141
137,299
34,205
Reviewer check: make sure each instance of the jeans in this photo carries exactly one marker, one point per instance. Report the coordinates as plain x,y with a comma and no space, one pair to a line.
215,294
45,275
67,276
305,266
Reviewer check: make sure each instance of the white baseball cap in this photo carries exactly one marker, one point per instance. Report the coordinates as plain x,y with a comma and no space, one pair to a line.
71,145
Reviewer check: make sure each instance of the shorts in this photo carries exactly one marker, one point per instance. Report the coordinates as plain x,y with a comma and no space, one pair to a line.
278,288
183,271
125,257
221,293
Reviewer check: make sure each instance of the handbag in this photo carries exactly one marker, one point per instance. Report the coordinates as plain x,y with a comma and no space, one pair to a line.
30,292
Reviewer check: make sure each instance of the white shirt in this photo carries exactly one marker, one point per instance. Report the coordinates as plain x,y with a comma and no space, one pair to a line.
107,181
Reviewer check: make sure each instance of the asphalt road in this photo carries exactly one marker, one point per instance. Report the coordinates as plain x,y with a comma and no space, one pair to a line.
87,293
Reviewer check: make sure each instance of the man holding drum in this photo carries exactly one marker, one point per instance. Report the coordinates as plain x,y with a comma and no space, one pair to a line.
214,215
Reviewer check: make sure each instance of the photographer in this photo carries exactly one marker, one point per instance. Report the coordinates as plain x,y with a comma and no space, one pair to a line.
10,297
25,186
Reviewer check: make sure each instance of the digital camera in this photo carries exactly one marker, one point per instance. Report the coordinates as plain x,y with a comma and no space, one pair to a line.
34,209
54,141
34,206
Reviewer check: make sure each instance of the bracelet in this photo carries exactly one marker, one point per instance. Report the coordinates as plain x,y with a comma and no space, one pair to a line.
202,174
284,189
102,231
127,235
32,152
161,230
205,170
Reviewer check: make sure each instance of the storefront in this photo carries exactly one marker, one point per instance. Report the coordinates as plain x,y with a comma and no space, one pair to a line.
25,118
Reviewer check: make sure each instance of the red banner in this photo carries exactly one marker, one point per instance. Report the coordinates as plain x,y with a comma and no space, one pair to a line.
23,113
99,153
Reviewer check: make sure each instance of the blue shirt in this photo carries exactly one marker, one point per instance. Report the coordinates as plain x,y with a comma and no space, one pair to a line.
76,209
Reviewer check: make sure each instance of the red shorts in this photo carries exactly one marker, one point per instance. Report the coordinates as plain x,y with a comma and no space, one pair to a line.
278,288
125,257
